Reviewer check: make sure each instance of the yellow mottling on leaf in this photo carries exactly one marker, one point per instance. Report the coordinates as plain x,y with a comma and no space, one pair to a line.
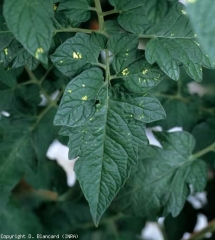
144,71
6,51
77,55
191,1
55,7
125,72
39,51
84,98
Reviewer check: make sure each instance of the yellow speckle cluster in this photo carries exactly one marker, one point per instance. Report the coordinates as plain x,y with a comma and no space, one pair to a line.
84,98
39,50
77,55
6,51
55,7
125,72
144,71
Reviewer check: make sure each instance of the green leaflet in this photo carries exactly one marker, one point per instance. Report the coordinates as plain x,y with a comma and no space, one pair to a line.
78,53
130,64
24,58
24,221
123,44
78,103
160,184
7,78
124,49
137,17
141,76
107,145
168,53
31,24
175,43
13,55
78,10
22,149
9,53
112,27
202,15
176,110
5,36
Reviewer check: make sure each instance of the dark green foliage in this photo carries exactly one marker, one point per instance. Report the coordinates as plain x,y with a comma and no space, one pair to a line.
95,75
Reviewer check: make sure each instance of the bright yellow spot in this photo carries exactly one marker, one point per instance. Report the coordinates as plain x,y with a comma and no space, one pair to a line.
126,54
172,34
144,71
77,55
139,79
191,1
39,50
83,85
195,35
183,12
84,98
61,61
6,51
131,115
125,72
69,91
55,7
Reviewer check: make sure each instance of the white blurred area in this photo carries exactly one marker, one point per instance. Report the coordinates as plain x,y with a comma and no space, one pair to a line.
59,152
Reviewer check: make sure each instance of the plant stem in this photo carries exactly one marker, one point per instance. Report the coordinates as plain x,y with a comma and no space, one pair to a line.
31,75
99,14
41,115
45,75
172,97
107,66
36,81
110,12
146,36
75,30
200,235
204,151
101,65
